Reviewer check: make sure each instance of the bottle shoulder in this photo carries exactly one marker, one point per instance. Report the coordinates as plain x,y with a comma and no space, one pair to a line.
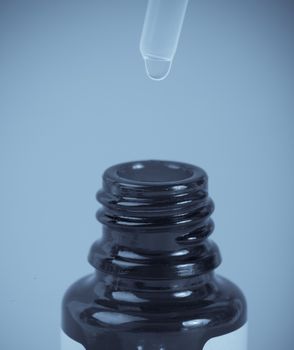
221,304
229,290
229,305
80,290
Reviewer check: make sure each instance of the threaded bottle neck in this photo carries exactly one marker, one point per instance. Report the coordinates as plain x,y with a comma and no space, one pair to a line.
156,217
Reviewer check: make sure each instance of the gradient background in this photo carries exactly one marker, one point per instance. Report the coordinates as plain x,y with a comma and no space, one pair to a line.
75,99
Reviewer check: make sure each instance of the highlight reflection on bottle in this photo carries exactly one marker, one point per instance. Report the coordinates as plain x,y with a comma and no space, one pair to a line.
154,285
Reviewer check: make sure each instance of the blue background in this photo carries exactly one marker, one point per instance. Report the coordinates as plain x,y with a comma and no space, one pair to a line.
75,99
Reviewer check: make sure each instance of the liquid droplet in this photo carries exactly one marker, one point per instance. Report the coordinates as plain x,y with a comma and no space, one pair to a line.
157,68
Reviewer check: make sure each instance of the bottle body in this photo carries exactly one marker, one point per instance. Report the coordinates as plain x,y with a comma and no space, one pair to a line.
154,285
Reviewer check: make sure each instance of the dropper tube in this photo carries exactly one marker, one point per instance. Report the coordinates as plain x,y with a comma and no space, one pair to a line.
160,36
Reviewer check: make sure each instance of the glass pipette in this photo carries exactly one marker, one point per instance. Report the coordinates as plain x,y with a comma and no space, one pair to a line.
160,36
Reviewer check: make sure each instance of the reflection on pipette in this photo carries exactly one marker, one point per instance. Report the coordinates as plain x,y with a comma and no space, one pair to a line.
160,36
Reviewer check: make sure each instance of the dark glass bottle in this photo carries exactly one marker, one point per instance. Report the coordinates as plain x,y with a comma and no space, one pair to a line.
154,285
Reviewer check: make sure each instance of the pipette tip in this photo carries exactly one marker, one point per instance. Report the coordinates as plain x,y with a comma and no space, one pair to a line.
157,68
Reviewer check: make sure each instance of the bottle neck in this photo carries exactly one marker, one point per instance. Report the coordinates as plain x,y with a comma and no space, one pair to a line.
153,256
155,230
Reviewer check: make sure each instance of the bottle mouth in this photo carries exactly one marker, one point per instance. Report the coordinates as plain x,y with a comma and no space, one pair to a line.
155,173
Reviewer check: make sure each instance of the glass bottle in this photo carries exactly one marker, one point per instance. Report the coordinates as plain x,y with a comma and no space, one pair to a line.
154,286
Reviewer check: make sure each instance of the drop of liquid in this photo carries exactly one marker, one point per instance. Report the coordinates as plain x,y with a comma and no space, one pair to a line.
157,68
